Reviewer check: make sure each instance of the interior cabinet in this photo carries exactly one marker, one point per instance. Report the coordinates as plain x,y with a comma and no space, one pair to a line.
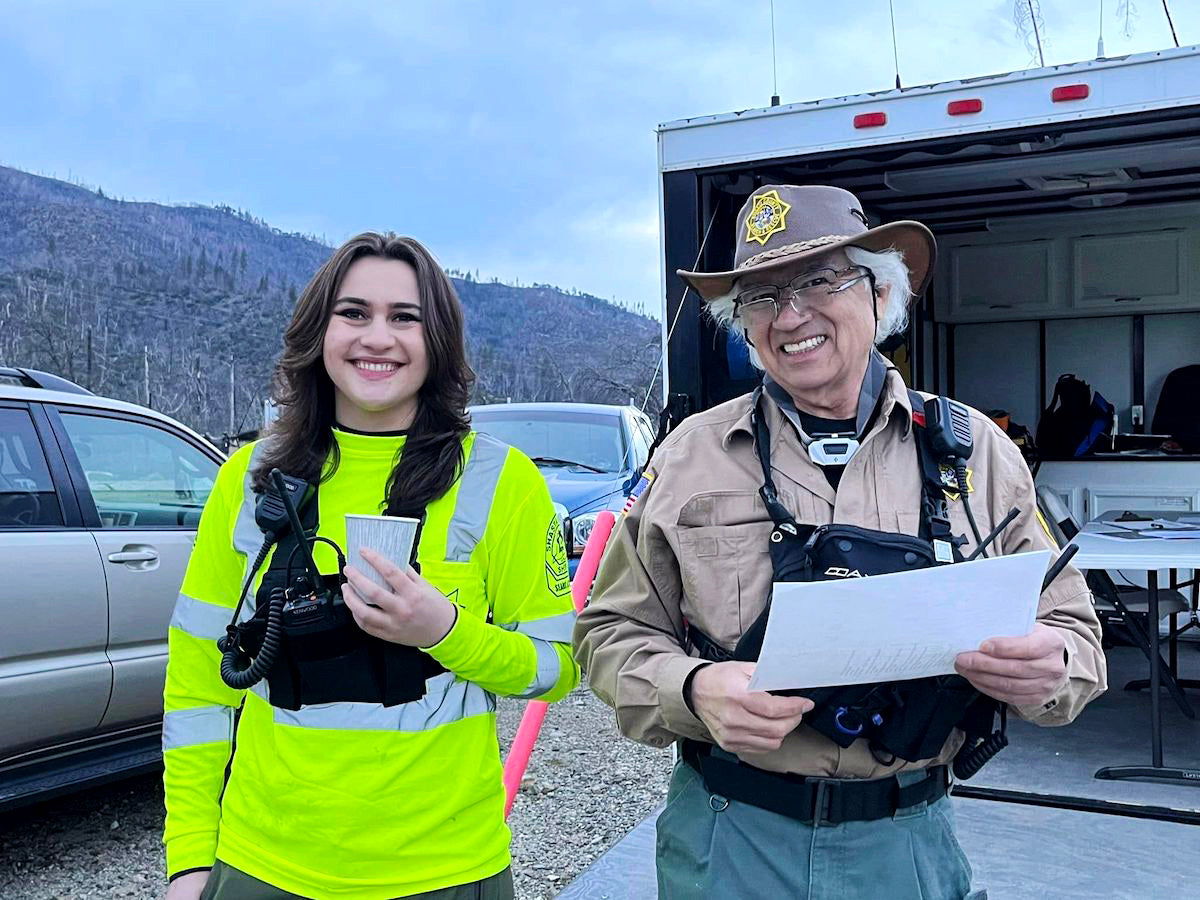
1129,273
1122,497
1001,281
1136,263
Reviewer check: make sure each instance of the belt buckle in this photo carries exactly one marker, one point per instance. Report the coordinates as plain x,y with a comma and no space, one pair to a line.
821,804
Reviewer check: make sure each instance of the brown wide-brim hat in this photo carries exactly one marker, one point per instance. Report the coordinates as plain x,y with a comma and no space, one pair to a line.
781,224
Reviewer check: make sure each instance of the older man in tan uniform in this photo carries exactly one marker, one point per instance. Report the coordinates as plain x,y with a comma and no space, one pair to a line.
812,291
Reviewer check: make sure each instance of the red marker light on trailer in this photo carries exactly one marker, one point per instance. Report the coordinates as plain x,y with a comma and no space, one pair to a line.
964,107
870,120
1069,92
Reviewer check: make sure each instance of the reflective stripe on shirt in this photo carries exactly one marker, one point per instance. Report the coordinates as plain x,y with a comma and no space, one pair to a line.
553,628
447,699
473,505
201,725
247,536
549,667
200,619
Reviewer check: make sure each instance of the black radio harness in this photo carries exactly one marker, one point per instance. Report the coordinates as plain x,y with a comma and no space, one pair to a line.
909,720
302,637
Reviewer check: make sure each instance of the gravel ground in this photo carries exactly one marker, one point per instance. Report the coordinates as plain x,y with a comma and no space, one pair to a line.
584,789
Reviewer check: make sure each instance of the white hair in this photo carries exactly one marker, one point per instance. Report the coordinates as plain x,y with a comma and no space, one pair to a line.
891,278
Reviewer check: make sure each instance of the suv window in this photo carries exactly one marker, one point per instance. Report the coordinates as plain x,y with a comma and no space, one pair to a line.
140,476
27,495
592,439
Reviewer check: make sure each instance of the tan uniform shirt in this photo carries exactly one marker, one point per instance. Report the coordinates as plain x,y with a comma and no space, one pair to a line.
694,548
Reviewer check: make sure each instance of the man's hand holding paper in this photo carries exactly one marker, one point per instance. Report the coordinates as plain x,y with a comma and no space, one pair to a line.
1022,671
911,625
740,720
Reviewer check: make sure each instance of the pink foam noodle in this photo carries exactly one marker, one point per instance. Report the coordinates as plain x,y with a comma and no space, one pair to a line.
590,561
535,710
522,749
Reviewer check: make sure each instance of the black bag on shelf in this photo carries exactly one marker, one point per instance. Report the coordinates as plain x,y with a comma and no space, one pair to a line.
1178,412
1074,421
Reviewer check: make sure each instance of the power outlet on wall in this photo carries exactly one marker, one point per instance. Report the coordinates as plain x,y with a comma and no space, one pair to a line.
1136,414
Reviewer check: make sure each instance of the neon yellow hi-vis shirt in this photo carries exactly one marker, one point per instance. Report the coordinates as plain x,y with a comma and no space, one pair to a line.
358,800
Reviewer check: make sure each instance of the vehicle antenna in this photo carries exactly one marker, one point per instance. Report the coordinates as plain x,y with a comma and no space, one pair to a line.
675,321
895,52
774,68
1036,36
1026,15
1100,40
1167,10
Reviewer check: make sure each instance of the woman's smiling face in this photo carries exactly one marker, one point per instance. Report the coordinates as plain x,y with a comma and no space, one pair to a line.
374,348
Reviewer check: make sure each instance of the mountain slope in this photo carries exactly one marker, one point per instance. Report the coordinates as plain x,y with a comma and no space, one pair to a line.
167,305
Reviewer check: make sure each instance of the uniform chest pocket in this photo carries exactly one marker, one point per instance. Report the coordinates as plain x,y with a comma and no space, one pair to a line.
461,583
726,574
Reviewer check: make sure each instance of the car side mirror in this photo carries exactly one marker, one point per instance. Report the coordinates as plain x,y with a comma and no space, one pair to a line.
633,479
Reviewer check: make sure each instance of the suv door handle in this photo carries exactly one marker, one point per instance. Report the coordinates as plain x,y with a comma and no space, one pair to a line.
134,554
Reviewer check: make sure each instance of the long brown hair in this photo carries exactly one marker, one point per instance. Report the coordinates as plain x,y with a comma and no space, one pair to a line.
302,438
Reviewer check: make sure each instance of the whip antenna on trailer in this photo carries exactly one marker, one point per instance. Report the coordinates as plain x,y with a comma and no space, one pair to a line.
1036,36
1167,10
775,69
1027,15
895,52
670,331
1100,40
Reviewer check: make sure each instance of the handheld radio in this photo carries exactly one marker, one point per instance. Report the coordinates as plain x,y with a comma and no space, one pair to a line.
948,424
303,605
307,599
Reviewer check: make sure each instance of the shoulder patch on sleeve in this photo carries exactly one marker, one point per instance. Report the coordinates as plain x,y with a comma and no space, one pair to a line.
637,491
558,573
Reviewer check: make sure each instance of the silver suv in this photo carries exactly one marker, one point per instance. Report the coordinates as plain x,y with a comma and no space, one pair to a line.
99,502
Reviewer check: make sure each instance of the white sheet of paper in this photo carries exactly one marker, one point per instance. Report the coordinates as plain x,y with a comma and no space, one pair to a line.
896,626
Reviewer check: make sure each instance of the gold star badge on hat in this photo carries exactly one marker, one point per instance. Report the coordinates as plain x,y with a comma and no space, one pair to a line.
766,216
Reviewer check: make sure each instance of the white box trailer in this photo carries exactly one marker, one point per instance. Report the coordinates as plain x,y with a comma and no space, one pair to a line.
1066,204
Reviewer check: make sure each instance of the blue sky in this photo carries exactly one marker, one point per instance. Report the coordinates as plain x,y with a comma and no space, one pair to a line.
514,138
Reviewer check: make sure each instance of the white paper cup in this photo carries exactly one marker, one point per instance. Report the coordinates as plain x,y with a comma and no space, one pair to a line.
390,536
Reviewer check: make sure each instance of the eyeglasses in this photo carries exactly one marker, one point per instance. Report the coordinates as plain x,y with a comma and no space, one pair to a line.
762,304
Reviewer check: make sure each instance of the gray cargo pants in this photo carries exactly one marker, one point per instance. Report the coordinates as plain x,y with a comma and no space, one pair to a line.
711,847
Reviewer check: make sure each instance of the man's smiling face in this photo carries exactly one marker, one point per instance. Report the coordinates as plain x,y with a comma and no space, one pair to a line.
821,351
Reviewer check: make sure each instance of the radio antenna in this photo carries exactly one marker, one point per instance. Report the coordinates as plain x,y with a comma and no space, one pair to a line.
895,52
1036,36
670,331
1027,14
774,67
1100,40
1167,10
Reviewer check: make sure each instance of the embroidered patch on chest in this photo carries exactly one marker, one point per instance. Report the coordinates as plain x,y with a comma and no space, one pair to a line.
950,481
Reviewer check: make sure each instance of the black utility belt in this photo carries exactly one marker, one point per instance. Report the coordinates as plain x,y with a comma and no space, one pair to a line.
816,801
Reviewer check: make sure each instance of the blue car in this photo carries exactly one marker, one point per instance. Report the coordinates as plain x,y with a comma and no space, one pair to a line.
590,454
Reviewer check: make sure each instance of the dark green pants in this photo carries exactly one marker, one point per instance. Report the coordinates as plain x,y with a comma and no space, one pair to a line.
228,883
712,848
